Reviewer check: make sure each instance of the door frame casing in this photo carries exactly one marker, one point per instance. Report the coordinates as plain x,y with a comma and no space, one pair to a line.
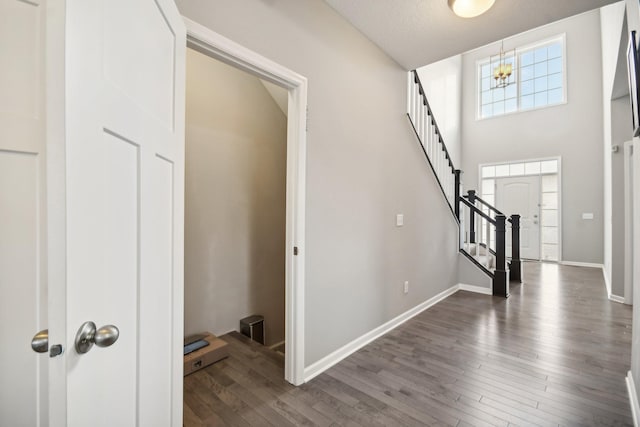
560,209
55,105
629,181
212,44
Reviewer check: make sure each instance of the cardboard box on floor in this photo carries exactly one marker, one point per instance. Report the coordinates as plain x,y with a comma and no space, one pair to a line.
215,351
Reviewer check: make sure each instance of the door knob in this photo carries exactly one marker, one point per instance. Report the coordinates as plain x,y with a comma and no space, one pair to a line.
40,341
87,336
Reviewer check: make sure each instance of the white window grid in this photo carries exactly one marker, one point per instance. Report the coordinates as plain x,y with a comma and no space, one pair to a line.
540,80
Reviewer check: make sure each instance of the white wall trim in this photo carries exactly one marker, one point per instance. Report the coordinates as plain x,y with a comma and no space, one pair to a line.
476,289
616,298
633,399
581,264
212,44
607,280
345,351
278,344
607,284
629,195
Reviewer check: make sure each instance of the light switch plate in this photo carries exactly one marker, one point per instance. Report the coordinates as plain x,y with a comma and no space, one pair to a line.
399,220
587,215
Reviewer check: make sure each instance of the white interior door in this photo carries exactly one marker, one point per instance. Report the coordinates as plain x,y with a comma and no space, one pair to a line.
23,291
521,196
124,180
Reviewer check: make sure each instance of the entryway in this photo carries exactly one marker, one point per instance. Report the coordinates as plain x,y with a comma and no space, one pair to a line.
521,195
235,200
209,43
530,188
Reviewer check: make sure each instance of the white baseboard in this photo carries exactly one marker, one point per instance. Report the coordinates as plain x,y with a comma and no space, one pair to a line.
272,346
476,289
343,352
633,399
616,298
607,281
582,264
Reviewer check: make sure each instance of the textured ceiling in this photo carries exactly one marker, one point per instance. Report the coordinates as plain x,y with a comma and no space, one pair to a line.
419,32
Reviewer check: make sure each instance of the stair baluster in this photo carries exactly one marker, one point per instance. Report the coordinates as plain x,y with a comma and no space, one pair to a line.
480,222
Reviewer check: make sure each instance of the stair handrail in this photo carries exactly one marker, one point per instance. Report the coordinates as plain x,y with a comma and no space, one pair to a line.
428,133
433,118
501,276
477,210
471,195
495,225
448,178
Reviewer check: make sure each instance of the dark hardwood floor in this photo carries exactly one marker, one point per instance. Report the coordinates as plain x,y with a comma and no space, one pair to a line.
555,353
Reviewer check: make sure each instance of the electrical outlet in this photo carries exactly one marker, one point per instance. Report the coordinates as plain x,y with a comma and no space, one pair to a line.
406,287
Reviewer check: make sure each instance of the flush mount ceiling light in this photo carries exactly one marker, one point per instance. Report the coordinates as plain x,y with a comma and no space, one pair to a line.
470,8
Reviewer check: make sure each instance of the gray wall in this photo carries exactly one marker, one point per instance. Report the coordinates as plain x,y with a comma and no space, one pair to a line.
364,166
572,131
236,138
470,274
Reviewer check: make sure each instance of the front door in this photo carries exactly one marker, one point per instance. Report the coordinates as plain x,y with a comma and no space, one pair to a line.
23,274
521,196
123,194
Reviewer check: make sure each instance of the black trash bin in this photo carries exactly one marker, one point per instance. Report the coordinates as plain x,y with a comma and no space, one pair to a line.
253,327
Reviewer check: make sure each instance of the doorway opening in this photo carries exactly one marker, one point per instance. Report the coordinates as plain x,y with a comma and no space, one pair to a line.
235,192
531,189
203,41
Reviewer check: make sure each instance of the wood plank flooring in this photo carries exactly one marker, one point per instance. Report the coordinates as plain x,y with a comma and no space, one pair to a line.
555,353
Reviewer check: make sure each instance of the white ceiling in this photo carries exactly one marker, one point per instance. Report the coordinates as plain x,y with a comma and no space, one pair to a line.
420,32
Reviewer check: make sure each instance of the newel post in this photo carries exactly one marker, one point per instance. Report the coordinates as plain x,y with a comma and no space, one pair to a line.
501,274
457,183
472,216
515,270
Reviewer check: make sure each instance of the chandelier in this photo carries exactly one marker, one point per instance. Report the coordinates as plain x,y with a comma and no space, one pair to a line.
502,65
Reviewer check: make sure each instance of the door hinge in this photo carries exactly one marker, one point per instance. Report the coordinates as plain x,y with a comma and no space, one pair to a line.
295,250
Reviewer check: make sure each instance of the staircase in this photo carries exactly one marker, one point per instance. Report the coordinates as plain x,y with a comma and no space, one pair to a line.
483,228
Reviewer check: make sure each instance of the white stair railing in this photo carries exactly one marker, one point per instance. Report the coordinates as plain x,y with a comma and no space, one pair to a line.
426,129
481,230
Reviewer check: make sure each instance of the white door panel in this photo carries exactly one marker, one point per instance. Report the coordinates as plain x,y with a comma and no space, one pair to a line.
23,291
124,147
522,196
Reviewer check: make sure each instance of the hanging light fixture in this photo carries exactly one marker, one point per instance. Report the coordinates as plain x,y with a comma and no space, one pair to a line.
502,66
470,8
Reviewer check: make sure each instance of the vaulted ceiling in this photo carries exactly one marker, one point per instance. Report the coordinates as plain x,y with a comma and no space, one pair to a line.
420,32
